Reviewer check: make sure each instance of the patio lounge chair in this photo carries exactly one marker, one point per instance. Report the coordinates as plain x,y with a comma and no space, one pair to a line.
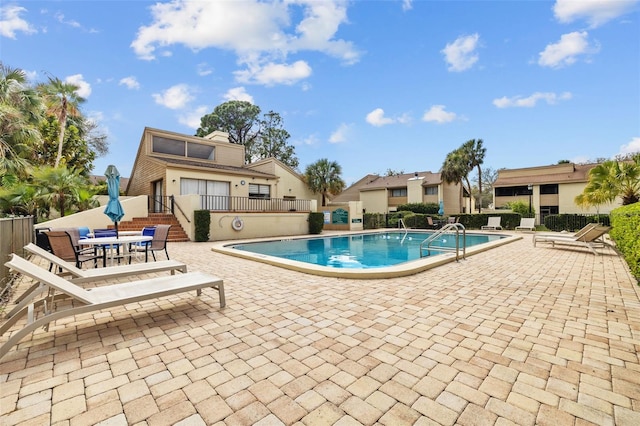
528,223
492,224
87,275
590,239
96,299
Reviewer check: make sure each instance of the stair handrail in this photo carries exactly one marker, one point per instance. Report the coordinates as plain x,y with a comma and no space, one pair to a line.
175,203
401,222
445,230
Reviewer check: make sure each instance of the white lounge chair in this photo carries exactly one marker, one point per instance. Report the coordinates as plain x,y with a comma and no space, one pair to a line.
94,299
493,223
591,238
527,223
109,272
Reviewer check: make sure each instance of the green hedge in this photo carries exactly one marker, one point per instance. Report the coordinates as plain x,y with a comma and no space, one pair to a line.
419,221
316,222
573,222
625,222
202,223
424,208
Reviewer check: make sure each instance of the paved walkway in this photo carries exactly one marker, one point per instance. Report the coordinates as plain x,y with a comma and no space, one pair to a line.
517,335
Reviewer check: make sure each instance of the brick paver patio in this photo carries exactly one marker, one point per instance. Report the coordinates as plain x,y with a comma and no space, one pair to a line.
517,335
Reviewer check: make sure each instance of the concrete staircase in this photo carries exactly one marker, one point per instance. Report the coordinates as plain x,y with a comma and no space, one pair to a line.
176,233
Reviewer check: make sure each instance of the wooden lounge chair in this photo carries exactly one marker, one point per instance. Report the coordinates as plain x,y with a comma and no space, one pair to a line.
493,223
591,238
528,223
93,299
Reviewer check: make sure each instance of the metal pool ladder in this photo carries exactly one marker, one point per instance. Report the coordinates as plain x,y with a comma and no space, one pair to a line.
431,242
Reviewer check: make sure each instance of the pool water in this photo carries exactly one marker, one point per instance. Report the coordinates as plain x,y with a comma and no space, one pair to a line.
359,251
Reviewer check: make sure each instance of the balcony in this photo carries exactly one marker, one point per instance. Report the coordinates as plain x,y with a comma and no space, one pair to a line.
250,204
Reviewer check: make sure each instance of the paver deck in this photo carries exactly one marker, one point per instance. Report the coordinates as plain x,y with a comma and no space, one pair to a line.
516,335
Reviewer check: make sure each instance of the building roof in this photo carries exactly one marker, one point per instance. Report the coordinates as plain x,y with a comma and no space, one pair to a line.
376,182
400,181
557,173
95,179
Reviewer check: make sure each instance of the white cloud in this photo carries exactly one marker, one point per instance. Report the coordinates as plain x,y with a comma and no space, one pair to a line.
340,134
70,22
438,114
407,5
238,94
262,34
632,147
461,54
595,12
531,101
270,74
175,97
566,51
377,118
131,82
192,118
11,22
204,69
84,88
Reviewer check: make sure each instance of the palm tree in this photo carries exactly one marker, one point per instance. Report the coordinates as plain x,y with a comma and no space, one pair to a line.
454,169
60,187
323,177
474,151
62,100
21,111
611,179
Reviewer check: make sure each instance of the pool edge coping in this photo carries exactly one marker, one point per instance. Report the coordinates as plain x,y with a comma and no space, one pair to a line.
404,269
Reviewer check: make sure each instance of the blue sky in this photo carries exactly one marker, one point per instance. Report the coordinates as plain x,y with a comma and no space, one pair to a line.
372,85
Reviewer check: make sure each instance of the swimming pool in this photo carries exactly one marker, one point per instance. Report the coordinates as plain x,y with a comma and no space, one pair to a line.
359,255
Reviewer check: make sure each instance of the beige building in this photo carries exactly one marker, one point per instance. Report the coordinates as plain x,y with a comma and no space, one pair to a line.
548,189
179,174
383,194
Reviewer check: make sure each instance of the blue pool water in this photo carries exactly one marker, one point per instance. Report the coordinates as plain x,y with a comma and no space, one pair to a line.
358,251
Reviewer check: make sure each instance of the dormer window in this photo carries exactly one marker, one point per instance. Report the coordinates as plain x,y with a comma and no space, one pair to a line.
183,148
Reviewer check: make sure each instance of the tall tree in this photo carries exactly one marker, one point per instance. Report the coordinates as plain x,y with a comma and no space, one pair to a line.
474,153
323,177
273,141
62,100
240,119
454,170
21,111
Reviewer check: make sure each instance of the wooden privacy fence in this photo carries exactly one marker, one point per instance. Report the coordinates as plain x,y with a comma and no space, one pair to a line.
15,233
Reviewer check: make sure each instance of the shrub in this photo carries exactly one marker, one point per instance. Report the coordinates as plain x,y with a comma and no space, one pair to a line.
522,208
626,228
316,222
424,208
374,220
202,222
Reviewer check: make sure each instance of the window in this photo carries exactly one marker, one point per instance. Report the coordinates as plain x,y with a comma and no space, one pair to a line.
399,192
198,150
431,190
168,146
512,191
259,191
182,149
216,194
549,189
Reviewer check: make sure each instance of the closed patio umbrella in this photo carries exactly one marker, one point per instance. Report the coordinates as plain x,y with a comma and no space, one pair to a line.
114,209
441,209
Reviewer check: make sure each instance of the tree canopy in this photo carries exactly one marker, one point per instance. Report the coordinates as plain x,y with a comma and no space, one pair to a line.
611,179
262,137
47,146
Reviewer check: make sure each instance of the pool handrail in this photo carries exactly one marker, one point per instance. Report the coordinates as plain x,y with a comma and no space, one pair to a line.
444,230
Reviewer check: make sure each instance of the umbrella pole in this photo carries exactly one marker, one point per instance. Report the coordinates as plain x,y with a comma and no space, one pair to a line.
117,236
